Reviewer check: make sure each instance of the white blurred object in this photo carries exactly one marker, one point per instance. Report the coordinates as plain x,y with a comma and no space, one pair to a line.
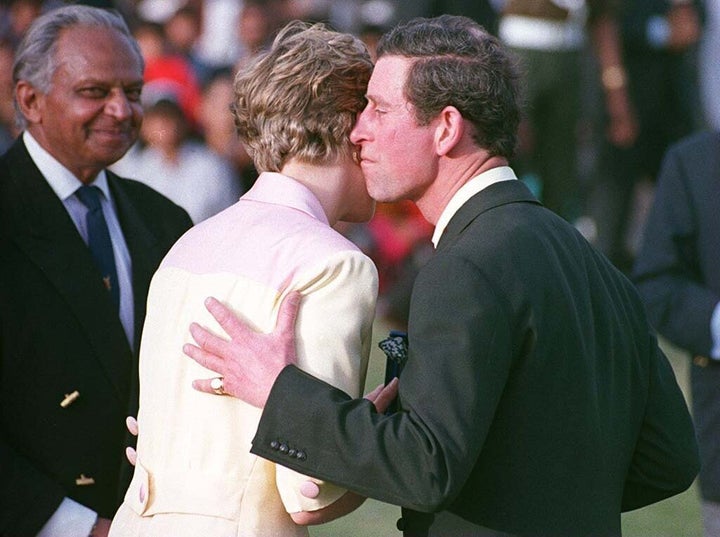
710,65
219,43
377,13
159,11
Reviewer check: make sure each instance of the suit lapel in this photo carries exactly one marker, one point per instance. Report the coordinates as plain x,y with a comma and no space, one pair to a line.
145,250
41,227
493,196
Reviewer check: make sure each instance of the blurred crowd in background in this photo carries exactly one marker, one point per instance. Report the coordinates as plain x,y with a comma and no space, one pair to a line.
188,149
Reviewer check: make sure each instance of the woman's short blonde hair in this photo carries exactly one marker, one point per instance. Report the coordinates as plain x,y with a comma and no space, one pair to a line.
300,98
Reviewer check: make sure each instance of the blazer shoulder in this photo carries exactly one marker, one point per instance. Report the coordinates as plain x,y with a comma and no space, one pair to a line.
695,162
702,144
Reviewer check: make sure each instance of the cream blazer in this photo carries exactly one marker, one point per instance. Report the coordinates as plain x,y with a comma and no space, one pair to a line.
194,474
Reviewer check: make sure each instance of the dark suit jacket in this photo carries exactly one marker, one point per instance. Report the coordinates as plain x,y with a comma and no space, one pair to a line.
536,400
60,332
678,274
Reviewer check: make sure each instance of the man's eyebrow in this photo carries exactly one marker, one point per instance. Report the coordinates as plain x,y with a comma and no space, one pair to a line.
376,100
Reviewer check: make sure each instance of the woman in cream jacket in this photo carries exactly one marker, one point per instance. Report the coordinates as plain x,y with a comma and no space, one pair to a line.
294,108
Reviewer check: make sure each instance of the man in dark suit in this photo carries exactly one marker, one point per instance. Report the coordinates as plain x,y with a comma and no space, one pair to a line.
535,399
678,274
67,343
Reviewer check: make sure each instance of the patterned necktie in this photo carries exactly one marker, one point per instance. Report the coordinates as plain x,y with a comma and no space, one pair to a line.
99,239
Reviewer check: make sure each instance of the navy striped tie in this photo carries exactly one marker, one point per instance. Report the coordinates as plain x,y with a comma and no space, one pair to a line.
99,239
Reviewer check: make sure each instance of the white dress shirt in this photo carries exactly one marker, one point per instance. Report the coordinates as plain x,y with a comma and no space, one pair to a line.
467,191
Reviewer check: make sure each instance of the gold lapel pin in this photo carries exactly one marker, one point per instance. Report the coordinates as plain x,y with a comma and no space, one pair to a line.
69,399
84,480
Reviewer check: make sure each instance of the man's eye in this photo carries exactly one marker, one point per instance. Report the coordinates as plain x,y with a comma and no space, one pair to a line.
93,92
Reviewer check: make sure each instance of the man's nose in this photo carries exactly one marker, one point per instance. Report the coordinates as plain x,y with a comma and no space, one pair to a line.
357,135
118,106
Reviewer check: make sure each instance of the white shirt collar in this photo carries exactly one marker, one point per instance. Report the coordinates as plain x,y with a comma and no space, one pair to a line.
60,179
467,191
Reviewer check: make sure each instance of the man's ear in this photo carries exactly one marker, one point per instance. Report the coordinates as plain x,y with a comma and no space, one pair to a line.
449,130
29,101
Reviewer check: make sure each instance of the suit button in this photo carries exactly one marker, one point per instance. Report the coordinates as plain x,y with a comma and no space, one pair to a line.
701,361
274,445
300,455
292,452
284,448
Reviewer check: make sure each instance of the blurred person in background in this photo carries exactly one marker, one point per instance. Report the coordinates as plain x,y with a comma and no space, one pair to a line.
400,244
484,12
677,271
71,313
182,33
218,45
167,73
218,127
660,43
8,127
178,165
257,25
15,18
549,37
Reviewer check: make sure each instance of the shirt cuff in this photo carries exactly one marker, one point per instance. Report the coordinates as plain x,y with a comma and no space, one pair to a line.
715,333
70,518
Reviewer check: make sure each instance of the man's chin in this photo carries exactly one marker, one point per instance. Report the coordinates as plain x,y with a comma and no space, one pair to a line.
113,152
382,197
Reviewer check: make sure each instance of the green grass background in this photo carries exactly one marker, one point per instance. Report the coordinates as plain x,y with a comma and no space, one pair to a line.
678,516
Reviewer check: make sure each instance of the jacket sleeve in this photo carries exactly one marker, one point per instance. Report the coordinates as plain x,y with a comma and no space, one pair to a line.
28,497
668,271
420,457
334,329
666,459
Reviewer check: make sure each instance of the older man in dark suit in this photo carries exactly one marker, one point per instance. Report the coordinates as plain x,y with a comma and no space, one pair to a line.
71,312
535,399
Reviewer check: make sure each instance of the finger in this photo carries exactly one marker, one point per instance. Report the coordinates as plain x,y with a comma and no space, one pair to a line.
373,394
386,396
132,425
225,317
203,385
207,340
288,312
204,358
131,455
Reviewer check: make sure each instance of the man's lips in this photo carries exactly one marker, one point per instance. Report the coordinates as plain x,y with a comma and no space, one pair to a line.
114,135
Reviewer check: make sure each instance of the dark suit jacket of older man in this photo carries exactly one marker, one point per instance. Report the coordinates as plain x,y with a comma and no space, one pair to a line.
60,333
536,400
678,274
